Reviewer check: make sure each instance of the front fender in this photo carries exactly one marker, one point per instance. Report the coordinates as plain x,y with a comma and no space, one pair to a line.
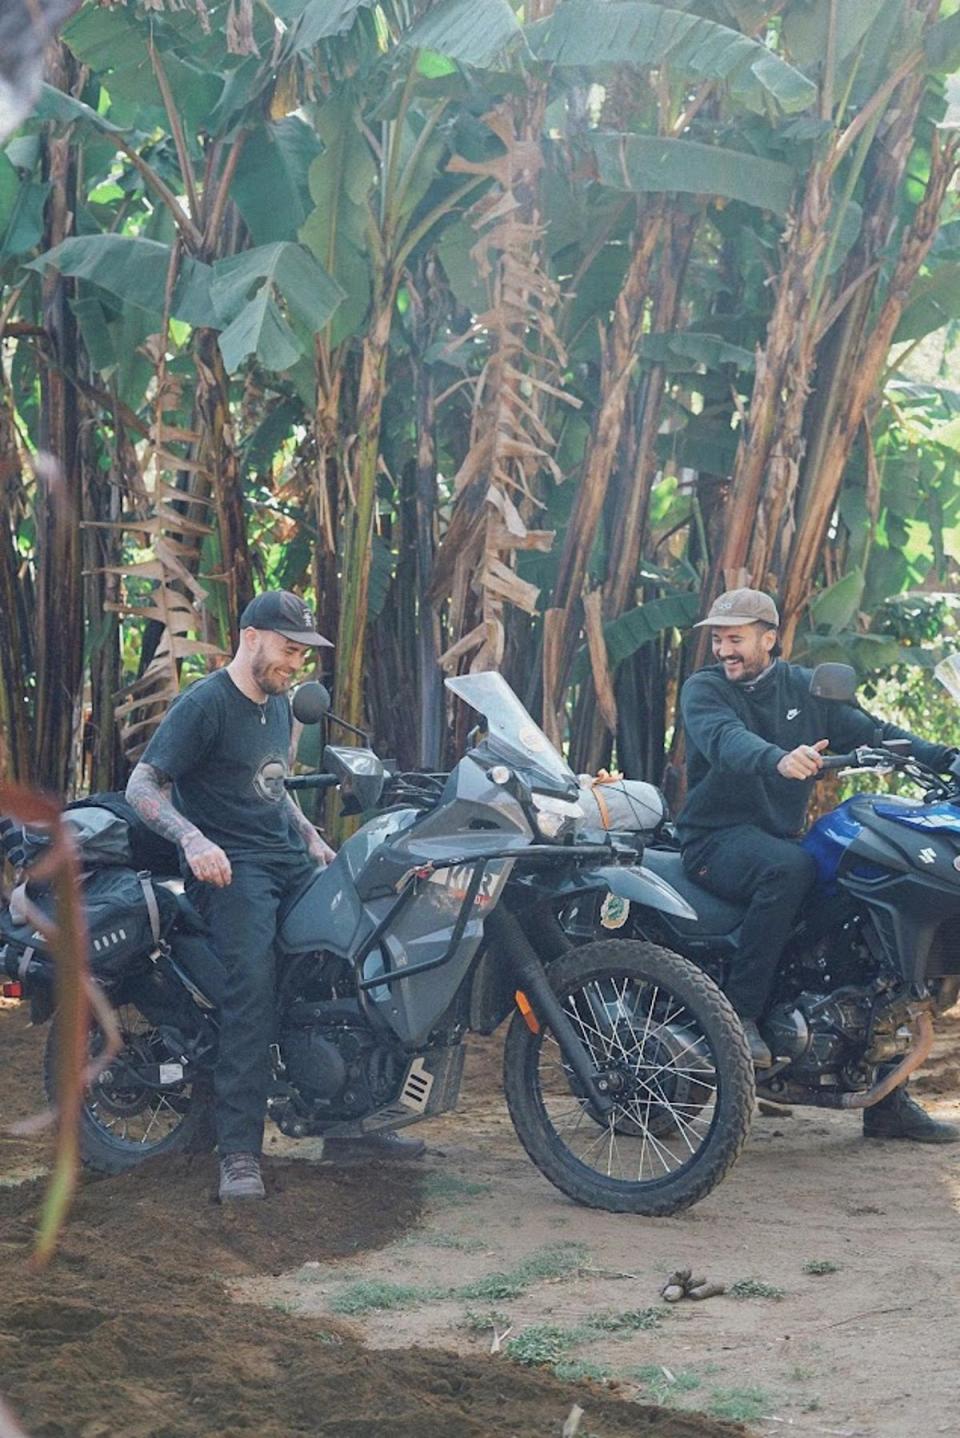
633,882
641,886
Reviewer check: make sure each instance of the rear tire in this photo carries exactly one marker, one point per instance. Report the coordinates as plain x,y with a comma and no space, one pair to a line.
123,1122
657,1025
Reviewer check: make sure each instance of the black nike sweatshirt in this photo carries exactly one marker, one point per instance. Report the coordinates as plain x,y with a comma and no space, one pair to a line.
738,733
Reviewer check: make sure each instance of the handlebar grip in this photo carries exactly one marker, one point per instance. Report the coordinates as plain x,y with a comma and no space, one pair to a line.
838,761
311,781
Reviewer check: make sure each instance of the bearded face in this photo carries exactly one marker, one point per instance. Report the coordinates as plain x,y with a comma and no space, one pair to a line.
743,649
275,661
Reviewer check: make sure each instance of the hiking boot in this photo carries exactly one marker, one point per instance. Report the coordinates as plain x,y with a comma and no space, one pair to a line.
759,1052
240,1177
387,1147
900,1116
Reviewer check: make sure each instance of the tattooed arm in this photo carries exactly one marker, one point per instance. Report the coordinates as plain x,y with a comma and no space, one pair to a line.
317,846
148,792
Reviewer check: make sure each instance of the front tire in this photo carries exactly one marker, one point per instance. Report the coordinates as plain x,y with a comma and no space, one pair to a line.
124,1121
679,1069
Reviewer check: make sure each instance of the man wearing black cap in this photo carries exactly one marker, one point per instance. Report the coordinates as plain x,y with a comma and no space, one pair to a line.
211,781
755,737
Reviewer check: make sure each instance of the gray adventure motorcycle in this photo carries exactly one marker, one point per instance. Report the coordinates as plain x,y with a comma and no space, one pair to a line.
626,1073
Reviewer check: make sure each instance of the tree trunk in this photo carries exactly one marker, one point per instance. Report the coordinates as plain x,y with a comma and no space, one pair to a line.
866,369
218,456
15,757
617,365
358,525
59,585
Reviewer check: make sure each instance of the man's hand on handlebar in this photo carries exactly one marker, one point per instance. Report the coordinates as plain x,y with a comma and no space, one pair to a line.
320,850
804,762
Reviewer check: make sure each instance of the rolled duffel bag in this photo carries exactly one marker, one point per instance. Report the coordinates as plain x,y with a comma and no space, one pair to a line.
127,919
621,806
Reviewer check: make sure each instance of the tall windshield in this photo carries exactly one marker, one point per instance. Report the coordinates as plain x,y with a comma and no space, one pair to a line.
948,672
510,727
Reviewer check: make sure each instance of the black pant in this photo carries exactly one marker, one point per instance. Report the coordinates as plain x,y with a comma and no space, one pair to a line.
242,919
774,876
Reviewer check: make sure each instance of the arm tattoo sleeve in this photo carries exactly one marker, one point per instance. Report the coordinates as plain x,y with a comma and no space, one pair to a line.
148,792
299,819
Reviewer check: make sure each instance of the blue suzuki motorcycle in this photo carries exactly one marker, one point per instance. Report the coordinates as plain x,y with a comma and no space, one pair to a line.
876,952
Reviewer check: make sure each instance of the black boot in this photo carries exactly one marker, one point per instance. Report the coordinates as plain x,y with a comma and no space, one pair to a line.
759,1051
900,1116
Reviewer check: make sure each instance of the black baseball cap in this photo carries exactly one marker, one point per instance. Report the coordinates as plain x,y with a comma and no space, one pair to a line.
285,614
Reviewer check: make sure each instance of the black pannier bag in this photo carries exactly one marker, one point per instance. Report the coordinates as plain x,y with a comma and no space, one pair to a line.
127,918
108,833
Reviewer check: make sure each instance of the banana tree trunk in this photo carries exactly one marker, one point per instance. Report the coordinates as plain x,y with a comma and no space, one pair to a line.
562,622
218,457
865,371
59,640
358,535
15,757
629,520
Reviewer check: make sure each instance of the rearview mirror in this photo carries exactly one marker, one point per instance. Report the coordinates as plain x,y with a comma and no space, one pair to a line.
360,776
310,702
833,681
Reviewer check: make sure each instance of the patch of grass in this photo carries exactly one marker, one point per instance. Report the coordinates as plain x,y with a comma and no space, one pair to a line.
370,1294
798,1374
573,1369
444,1240
821,1265
450,1186
491,1322
755,1288
663,1384
632,1320
541,1346
740,1405
554,1260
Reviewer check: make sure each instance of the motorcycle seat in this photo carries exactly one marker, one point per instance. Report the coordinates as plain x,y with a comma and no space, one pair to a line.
714,915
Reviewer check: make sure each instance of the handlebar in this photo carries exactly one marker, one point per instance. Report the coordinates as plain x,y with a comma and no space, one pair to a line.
840,761
311,781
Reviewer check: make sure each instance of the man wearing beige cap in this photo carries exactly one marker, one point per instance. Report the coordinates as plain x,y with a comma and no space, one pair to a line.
755,735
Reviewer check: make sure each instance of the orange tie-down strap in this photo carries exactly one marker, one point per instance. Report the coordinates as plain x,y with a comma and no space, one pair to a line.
596,784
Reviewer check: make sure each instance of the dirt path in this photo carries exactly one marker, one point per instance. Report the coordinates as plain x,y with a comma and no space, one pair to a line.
369,1303
858,1349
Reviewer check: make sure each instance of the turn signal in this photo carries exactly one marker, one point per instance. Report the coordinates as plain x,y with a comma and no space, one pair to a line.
529,1017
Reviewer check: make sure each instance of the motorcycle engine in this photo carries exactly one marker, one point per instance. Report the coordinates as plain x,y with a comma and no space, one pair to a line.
340,1069
819,1032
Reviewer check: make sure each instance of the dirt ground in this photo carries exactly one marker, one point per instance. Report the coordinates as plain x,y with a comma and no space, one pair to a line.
369,1301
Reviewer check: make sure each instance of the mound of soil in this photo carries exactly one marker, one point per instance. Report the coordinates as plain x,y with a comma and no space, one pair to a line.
130,1333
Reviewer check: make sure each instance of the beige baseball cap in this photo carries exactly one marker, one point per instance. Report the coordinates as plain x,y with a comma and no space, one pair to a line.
741,606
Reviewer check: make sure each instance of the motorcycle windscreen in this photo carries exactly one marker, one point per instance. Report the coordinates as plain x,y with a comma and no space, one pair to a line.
512,732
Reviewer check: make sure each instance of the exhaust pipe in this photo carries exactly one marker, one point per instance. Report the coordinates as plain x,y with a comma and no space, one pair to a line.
918,1051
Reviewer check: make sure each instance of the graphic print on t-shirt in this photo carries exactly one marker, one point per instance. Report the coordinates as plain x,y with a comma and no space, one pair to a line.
268,780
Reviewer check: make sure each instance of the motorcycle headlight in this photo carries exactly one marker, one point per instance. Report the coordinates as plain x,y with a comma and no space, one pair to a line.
555,817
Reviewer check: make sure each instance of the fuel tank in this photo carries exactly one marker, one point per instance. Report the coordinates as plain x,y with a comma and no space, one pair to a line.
829,839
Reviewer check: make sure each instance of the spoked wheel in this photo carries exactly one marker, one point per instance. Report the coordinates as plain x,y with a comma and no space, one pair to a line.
142,1105
672,1053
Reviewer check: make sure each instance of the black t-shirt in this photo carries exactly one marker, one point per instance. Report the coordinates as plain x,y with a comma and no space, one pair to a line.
227,757
738,733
